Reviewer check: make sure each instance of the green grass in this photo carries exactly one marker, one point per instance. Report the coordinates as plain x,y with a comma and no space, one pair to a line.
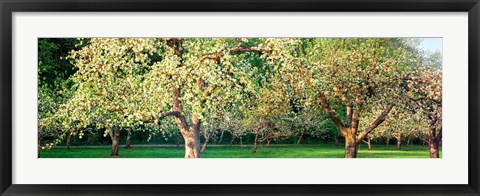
274,151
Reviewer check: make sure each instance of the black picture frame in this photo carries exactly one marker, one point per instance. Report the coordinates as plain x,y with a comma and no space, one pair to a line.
7,7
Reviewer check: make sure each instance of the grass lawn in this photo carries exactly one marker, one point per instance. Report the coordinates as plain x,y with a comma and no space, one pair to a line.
273,151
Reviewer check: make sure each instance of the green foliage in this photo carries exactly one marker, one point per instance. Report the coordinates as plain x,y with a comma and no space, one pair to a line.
240,85
54,85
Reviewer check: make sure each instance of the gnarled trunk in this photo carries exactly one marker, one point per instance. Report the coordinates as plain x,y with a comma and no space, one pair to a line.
434,152
115,137
351,146
129,136
300,138
399,141
349,130
433,141
192,143
255,142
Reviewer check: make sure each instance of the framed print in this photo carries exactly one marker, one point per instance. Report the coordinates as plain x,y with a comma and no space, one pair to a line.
238,97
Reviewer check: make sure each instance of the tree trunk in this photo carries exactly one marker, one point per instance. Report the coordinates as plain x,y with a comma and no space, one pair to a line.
204,147
434,152
233,140
408,140
255,142
68,139
179,140
190,132
399,142
129,136
300,138
192,142
268,142
221,137
369,143
115,137
351,146
388,141
433,142
349,130
337,140
241,141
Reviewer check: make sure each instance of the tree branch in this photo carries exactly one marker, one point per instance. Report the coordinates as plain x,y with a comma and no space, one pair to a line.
421,138
170,113
377,122
397,136
425,98
349,116
209,92
331,114
110,132
439,136
355,119
215,57
364,141
177,104
243,49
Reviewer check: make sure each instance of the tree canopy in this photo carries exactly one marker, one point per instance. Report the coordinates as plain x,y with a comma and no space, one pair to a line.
270,87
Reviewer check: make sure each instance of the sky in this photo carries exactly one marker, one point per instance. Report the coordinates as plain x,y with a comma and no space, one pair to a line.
432,44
